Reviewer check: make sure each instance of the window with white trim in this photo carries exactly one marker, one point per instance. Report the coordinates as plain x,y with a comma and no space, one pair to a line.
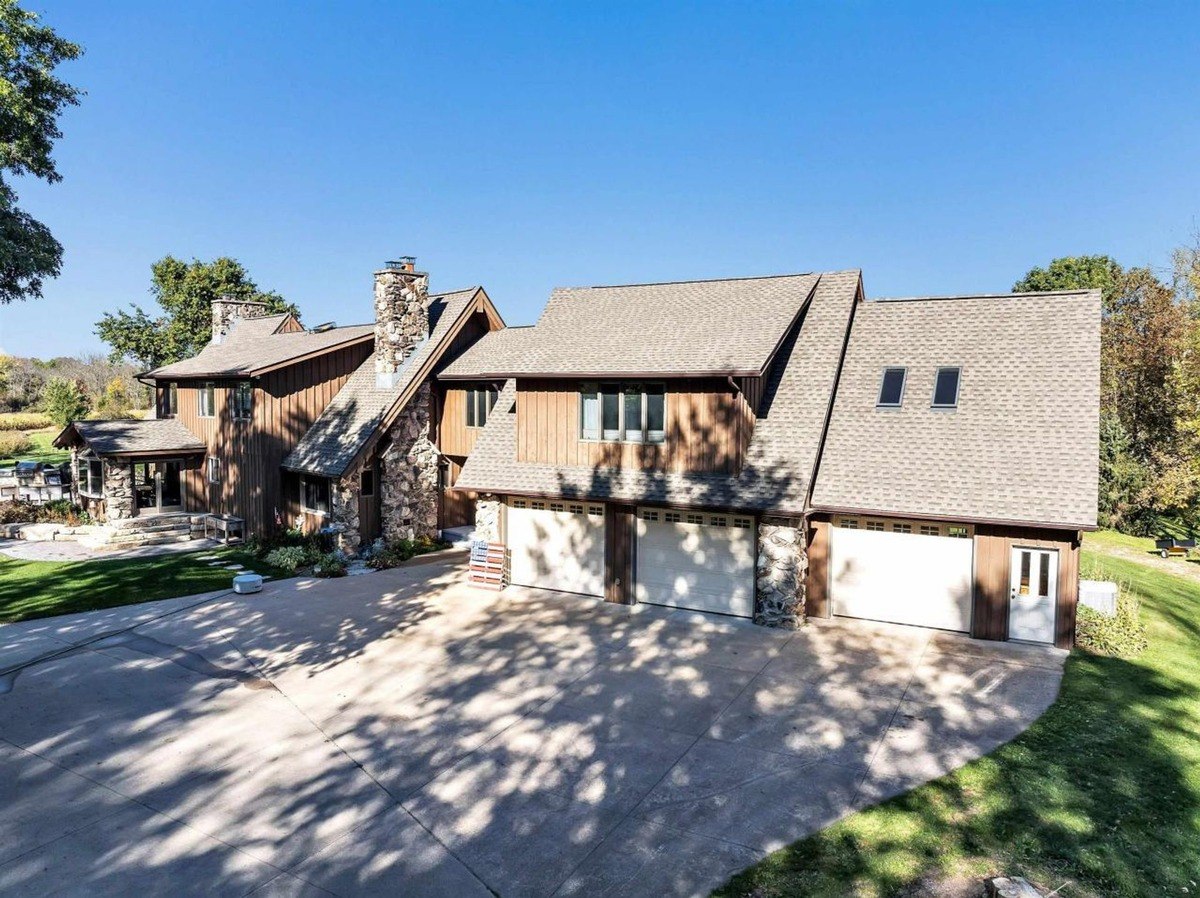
480,401
212,469
89,474
945,388
623,413
243,400
206,400
891,388
314,495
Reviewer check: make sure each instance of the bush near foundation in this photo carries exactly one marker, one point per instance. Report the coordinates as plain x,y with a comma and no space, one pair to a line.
1121,636
383,555
332,564
288,558
60,511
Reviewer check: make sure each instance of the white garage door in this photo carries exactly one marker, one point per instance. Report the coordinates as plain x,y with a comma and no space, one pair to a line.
704,562
557,545
904,578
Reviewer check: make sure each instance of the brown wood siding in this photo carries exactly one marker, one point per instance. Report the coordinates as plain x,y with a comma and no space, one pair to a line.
454,437
458,506
290,326
619,524
285,404
993,559
816,601
708,428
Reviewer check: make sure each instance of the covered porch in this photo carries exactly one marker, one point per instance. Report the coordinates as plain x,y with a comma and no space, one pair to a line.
125,470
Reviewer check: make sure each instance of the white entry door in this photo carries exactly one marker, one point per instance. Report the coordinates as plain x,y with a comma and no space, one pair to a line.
557,545
1033,598
903,578
704,562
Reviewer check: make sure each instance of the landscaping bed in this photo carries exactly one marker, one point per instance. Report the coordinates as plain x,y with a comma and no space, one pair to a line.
1100,797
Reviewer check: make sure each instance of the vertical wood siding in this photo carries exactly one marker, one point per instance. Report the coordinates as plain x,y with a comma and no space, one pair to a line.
286,402
708,426
619,530
816,599
993,560
454,437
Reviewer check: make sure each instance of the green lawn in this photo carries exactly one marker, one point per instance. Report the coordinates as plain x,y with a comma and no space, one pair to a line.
30,589
1102,793
42,450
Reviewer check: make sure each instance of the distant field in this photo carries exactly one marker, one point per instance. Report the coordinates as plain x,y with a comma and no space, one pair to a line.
42,450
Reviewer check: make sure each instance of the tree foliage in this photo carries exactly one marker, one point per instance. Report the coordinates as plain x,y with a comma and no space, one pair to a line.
64,401
184,292
31,101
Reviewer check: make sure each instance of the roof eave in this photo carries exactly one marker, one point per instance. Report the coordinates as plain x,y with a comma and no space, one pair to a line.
964,518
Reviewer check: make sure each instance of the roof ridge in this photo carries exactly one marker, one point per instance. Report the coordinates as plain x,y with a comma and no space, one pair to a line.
1010,295
757,277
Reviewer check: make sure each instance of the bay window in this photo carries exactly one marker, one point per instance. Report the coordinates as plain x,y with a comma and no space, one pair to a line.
630,413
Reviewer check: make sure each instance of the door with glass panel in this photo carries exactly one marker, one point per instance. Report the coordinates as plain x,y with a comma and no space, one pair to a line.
1033,598
156,486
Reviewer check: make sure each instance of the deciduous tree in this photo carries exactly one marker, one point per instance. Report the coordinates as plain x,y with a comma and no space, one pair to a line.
184,291
31,101
63,401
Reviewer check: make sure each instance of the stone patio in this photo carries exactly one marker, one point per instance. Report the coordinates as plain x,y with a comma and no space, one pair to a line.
404,733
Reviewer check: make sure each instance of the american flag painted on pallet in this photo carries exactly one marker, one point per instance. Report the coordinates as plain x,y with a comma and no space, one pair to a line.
489,565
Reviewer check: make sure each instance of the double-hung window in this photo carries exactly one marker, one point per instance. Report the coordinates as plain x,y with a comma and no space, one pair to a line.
479,402
207,396
314,495
243,393
630,413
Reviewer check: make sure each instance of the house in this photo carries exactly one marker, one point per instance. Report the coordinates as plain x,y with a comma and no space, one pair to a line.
328,427
774,447
765,448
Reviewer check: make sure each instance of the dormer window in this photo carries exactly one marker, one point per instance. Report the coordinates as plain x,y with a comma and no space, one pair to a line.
945,388
891,388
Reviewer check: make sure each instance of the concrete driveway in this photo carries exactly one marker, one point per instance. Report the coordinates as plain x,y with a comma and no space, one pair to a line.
405,734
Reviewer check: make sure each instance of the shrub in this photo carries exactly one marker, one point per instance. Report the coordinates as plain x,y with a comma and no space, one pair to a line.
383,555
63,400
60,511
25,421
14,444
288,558
331,564
1122,636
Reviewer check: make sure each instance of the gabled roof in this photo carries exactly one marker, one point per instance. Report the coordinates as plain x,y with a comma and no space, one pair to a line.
134,437
1023,443
783,450
689,328
356,414
256,345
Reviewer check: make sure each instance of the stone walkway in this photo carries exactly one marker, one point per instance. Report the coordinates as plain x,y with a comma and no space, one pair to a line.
404,733
70,550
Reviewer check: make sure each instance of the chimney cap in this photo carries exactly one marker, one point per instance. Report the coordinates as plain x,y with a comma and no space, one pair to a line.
404,263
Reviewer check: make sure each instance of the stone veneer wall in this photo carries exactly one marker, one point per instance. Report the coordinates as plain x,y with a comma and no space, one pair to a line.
401,319
781,571
118,490
409,474
487,518
228,308
344,513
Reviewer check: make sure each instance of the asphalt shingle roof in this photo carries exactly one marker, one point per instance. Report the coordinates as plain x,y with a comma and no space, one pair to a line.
250,346
330,445
782,452
135,436
1023,443
692,327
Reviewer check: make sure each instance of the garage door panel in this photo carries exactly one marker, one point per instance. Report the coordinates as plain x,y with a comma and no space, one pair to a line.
903,578
556,549
696,566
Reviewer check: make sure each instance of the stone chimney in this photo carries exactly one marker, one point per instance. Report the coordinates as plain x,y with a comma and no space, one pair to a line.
401,317
228,309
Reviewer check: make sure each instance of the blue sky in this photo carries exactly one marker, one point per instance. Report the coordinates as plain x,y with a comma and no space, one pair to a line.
941,148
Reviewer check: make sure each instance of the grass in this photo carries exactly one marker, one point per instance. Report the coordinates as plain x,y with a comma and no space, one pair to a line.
32,589
1101,796
42,450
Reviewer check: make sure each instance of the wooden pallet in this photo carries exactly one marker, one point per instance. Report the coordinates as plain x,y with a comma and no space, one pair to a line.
489,565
